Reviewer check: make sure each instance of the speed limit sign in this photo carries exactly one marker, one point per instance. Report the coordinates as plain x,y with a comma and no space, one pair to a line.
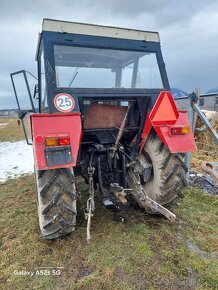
64,102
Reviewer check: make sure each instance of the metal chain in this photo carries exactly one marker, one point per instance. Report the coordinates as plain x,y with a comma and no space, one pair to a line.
90,202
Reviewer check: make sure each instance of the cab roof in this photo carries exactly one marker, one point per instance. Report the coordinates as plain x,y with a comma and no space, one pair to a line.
98,30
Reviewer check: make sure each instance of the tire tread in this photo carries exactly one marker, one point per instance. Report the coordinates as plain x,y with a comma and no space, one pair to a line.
57,202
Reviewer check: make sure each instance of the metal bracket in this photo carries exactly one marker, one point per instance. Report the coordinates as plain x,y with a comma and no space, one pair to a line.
118,191
206,122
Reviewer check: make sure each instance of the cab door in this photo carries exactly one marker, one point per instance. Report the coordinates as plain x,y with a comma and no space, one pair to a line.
26,94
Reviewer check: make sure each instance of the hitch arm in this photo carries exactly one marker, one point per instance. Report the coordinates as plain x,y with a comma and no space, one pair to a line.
143,200
159,208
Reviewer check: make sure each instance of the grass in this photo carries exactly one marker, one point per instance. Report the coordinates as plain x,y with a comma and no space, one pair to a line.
145,253
9,130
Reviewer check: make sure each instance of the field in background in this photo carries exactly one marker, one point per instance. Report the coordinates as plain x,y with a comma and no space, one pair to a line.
147,252
9,130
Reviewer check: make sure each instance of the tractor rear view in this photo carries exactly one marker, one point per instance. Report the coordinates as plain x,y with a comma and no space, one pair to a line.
102,109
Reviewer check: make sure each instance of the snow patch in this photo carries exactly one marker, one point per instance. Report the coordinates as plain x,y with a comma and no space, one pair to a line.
16,158
2,125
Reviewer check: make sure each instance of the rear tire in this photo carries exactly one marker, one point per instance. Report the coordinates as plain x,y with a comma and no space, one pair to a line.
168,174
56,202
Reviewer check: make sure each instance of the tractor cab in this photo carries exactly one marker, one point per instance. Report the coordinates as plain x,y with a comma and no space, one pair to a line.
92,62
82,64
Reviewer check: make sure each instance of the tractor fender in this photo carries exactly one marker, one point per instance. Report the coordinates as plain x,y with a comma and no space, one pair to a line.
165,116
58,125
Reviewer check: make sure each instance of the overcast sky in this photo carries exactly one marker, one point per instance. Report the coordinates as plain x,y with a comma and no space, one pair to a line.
188,31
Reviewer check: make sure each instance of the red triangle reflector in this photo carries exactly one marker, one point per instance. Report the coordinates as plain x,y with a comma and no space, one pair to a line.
164,110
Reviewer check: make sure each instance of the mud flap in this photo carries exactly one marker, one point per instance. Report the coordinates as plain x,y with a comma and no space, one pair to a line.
162,118
56,125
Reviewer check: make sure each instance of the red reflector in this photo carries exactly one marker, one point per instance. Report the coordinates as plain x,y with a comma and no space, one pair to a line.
179,130
64,141
39,140
164,110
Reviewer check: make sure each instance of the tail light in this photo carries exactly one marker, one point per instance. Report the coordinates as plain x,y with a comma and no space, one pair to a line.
57,141
180,130
64,141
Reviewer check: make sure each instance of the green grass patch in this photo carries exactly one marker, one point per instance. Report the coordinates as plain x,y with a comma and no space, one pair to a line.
147,252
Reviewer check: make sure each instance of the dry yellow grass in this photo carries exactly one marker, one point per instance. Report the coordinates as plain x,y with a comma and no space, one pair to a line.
9,130
207,148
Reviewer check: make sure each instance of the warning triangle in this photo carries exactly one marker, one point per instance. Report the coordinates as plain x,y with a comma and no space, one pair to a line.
164,110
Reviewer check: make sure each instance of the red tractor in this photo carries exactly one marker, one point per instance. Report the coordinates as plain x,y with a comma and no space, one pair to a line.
102,109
